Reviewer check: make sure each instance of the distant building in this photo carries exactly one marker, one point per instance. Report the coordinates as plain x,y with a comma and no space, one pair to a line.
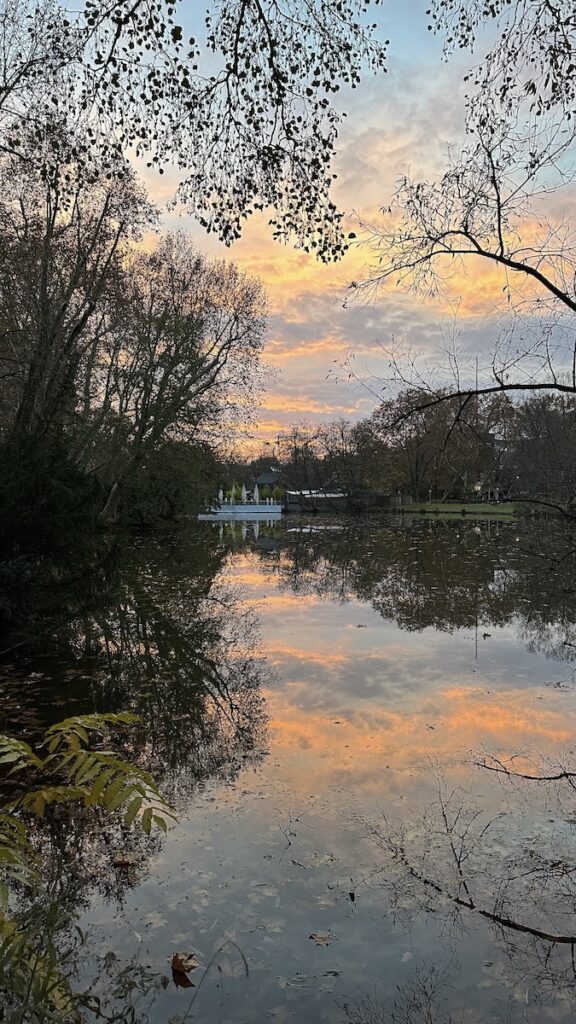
270,478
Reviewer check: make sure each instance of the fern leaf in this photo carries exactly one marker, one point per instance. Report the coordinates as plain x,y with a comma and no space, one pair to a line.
33,976
18,754
147,820
79,726
133,809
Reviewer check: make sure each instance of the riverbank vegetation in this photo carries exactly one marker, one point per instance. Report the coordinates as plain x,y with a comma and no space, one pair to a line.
122,369
119,362
496,449
67,768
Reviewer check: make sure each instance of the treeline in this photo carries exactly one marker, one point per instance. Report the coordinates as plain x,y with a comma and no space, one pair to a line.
121,364
433,447
127,358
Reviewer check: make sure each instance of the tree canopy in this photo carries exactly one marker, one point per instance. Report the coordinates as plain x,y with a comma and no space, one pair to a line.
504,202
531,57
244,111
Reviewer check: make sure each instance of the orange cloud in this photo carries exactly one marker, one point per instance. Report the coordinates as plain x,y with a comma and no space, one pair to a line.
278,654
373,748
304,405
310,331
280,350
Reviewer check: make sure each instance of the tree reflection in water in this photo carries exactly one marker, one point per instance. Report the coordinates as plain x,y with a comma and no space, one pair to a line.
168,641
512,872
475,860
422,1000
178,648
443,574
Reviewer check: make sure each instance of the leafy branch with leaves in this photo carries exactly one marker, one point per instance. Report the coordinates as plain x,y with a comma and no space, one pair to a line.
70,765
244,110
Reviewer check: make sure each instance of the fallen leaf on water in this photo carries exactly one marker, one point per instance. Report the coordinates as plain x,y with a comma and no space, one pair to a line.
319,860
125,860
184,962
322,938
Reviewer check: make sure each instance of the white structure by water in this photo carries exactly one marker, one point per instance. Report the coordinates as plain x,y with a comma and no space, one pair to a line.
258,509
247,512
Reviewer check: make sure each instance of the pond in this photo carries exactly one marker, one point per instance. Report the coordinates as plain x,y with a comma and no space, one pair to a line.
347,717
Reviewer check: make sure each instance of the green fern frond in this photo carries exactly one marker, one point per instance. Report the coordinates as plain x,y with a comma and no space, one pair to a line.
74,731
18,862
97,778
69,770
33,977
17,755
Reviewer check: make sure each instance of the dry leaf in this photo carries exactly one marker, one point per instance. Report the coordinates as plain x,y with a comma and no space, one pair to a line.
322,938
181,980
184,962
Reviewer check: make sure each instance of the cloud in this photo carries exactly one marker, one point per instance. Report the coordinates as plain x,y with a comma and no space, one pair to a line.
397,124
361,743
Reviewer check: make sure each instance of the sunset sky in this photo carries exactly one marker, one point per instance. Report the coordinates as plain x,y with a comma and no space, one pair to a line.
398,123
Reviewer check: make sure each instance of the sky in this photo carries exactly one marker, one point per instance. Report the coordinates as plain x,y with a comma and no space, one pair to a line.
398,123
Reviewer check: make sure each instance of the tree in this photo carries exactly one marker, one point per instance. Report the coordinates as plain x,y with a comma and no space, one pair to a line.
532,58
337,445
441,450
299,458
110,353
327,456
170,482
61,259
61,255
477,209
182,363
497,203
541,448
245,113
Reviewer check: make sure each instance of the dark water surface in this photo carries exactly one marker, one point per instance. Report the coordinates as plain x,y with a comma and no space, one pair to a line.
325,704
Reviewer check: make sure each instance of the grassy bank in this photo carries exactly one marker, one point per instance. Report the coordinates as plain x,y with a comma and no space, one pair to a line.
458,508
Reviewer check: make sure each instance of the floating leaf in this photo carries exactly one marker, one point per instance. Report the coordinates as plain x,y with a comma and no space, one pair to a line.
181,980
184,962
125,860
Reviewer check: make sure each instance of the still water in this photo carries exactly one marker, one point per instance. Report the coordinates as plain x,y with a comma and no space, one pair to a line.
331,708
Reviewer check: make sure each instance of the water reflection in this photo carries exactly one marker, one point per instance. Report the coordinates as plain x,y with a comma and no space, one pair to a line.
444,574
398,655
511,871
492,868
169,641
